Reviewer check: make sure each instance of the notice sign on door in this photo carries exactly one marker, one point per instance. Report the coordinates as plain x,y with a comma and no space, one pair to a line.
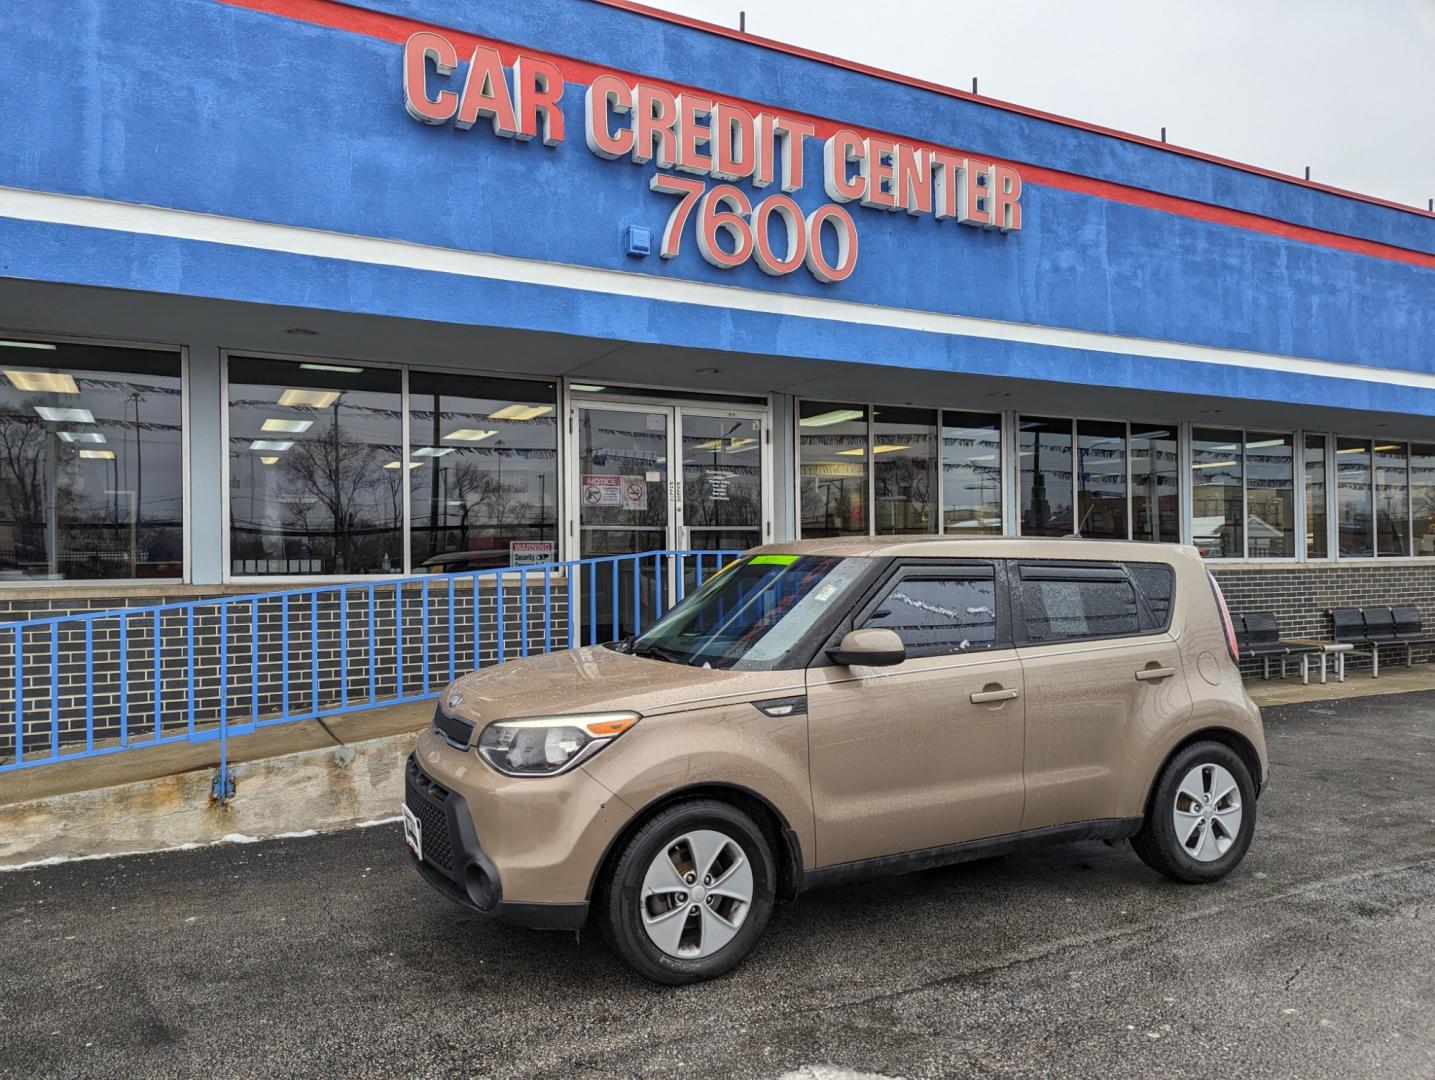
602,491
529,552
635,493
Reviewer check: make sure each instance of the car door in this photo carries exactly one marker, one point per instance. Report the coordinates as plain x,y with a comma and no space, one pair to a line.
1103,678
929,752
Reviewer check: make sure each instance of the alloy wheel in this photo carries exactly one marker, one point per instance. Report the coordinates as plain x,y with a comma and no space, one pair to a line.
1207,812
696,894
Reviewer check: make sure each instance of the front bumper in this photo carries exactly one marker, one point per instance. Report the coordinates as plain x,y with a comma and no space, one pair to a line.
454,862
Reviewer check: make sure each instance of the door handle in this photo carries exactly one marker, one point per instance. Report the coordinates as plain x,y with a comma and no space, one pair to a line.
986,697
1152,674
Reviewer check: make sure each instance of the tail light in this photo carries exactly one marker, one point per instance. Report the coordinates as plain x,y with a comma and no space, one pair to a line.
1229,627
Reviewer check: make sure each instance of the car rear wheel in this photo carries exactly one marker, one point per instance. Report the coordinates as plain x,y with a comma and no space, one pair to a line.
1201,817
690,893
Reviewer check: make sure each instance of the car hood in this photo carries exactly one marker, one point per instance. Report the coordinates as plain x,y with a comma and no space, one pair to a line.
598,680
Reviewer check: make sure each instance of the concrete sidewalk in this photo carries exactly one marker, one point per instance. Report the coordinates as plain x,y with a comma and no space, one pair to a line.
296,778
1358,684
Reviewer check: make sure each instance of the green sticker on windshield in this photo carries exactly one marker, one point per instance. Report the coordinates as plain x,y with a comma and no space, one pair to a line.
774,560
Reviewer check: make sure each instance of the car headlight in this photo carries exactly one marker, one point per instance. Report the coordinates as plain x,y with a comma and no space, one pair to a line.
549,745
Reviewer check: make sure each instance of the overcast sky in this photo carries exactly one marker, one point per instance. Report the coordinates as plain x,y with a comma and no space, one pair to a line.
1344,86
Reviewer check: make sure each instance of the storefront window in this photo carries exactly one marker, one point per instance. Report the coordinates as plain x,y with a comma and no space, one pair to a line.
1217,520
1392,500
972,474
1044,447
1102,497
1317,544
1422,497
316,468
832,469
485,489
1155,483
91,463
1354,502
1270,496
904,457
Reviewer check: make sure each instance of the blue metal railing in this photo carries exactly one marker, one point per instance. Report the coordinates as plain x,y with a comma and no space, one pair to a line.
85,685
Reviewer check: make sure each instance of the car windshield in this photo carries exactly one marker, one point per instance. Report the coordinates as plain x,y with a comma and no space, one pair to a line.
753,613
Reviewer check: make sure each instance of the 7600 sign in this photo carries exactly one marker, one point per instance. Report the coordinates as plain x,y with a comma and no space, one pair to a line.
727,209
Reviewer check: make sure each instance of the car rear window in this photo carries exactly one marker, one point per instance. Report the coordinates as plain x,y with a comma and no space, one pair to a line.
1066,602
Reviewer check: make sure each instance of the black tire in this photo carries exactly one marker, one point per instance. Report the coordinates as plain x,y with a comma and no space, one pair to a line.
620,911
1157,843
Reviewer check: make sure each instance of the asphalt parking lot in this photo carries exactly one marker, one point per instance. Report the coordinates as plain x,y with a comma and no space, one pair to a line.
327,956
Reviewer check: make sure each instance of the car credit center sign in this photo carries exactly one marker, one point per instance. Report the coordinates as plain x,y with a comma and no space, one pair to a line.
690,136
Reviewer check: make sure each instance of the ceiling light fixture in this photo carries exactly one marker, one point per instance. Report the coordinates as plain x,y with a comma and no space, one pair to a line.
308,399
80,436
433,451
65,416
271,446
400,465
42,382
861,451
103,455
521,412
827,419
269,461
586,388
287,427
27,345
1215,465
469,434
333,367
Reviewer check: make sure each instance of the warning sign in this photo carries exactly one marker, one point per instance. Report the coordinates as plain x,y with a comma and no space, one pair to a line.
529,552
602,491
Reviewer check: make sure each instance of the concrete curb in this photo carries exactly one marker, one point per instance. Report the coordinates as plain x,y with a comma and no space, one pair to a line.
330,788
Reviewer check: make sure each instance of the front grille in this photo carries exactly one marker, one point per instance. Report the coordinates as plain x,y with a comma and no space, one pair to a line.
458,732
428,802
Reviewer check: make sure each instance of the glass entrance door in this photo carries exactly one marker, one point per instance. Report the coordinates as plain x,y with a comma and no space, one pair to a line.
722,480
624,506
660,477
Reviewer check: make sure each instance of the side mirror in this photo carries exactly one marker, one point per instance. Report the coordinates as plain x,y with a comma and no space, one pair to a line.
869,648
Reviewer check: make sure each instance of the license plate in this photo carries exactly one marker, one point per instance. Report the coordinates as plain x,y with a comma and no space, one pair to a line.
414,833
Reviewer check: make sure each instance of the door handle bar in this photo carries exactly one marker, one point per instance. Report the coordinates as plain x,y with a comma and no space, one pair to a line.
987,696
1154,673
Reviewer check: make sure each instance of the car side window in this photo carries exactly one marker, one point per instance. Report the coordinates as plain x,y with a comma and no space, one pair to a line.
1061,604
939,615
1156,583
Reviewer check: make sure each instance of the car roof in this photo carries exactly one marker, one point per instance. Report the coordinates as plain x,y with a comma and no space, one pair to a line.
985,547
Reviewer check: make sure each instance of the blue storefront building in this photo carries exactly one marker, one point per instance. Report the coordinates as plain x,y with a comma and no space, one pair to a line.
300,290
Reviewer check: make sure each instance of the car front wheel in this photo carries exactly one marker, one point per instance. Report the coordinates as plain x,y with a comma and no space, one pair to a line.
690,893
1201,817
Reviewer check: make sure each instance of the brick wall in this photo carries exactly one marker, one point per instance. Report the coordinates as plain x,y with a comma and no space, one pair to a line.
1302,596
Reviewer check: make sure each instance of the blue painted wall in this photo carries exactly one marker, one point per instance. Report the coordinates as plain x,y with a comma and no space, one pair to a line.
199,105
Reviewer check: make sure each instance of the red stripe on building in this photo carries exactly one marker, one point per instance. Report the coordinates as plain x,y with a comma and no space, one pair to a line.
385,27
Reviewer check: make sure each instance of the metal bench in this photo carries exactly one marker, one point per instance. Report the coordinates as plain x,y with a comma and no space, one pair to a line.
1262,639
1368,629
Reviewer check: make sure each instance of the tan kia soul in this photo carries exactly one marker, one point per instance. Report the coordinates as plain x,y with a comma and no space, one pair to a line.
827,709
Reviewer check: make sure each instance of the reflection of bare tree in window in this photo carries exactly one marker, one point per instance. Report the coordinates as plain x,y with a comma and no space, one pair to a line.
23,443
336,473
486,499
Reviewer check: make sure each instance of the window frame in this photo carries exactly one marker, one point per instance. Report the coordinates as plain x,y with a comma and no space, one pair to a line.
186,431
